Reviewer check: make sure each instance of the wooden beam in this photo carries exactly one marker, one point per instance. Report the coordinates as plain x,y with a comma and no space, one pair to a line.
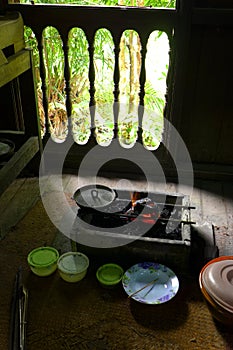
17,64
17,163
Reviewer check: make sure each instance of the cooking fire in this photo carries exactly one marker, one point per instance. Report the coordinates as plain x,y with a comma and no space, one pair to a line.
164,220
153,225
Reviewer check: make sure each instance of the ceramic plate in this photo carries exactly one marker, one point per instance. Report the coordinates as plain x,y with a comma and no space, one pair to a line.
162,290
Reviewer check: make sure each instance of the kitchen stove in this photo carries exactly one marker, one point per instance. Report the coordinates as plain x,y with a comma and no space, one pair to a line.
153,226
158,216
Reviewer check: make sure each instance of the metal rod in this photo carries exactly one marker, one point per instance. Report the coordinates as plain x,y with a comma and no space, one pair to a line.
13,343
24,304
135,216
173,205
177,205
149,200
18,314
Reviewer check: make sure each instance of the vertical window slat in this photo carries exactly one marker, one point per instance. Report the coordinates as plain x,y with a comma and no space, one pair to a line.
116,79
142,80
43,84
67,80
91,76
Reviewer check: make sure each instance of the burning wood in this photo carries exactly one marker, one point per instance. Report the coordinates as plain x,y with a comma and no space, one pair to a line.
138,202
134,196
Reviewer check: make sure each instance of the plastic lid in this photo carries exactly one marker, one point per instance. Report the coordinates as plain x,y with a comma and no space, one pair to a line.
43,256
218,281
73,262
109,274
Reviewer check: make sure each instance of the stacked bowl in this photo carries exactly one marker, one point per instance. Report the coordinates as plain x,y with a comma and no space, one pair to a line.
216,284
72,266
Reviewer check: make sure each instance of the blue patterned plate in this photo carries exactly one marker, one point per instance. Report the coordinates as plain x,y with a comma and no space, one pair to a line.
164,288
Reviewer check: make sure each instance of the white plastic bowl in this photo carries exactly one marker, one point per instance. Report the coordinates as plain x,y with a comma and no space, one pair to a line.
217,279
72,266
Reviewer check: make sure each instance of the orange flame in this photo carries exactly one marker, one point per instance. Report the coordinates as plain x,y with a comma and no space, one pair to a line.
134,197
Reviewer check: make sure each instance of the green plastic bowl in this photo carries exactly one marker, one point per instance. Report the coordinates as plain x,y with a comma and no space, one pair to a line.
109,275
43,261
72,266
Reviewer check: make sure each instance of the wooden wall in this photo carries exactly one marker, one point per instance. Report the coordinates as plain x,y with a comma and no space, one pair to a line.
206,122
201,107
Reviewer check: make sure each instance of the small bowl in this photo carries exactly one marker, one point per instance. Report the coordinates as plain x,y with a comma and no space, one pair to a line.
72,266
109,275
43,261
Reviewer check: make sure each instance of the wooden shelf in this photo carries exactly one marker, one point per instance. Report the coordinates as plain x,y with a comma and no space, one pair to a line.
17,162
16,65
19,121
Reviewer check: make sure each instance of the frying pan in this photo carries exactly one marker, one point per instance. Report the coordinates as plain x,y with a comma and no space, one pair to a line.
94,196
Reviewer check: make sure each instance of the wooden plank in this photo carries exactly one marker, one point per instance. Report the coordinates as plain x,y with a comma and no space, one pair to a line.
3,59
195,200
117,17
214,211
61,241
10,193
16,164
228,198
214,172
25,198
17,64
76,181
228,233
122,183
12,31
54,195
116,183
213,205
50,183
213,16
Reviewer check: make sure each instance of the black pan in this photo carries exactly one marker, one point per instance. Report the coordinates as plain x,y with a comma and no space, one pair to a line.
94,196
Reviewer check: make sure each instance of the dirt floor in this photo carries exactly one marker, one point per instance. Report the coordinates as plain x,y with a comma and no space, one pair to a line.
84,315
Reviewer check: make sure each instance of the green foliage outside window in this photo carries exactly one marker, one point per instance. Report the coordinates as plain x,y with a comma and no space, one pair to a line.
104,66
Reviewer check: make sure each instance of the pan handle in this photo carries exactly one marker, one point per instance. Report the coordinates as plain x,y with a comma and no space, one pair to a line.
95,194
